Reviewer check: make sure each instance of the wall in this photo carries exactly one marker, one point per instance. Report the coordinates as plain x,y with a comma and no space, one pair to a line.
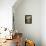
6,13
43,22
27,7
31,31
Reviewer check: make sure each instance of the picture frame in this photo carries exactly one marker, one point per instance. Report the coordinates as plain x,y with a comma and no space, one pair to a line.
28,19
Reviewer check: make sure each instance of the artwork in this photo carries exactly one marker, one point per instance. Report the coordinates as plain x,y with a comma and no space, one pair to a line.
28,19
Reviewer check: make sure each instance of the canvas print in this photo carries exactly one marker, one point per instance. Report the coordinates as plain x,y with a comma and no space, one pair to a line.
28,19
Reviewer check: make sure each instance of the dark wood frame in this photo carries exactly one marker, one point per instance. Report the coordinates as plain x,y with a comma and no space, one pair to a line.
28,19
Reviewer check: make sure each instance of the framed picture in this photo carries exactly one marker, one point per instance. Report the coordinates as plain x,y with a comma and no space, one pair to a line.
28,19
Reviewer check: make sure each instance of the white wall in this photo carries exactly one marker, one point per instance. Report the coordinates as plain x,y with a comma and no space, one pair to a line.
30,7
31,31
6,13
43,22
